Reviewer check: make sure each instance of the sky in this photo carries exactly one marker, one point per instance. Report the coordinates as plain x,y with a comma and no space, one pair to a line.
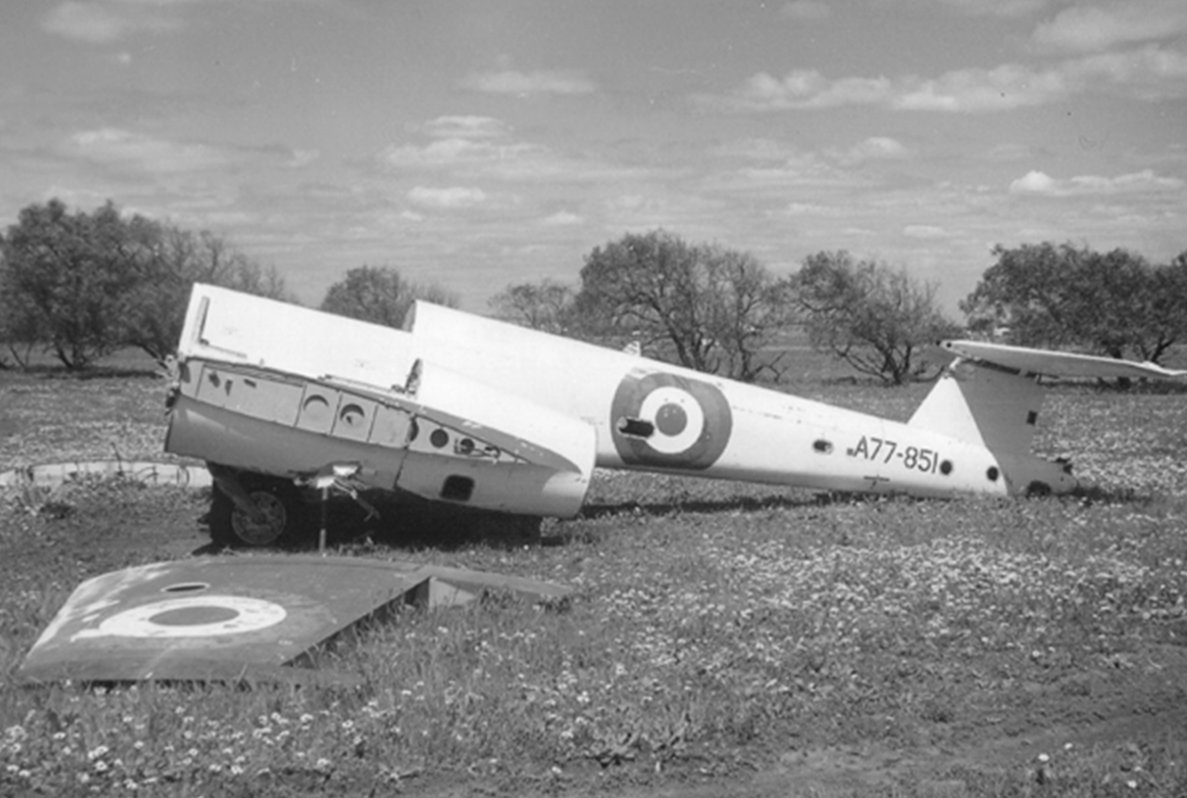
483,143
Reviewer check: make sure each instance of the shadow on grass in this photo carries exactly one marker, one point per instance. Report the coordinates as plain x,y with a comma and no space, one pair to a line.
729,505
406,525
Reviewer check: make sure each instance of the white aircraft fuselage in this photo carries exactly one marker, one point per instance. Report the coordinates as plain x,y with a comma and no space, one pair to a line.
463,409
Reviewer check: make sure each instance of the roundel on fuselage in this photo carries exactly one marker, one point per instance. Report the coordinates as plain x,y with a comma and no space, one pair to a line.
668,421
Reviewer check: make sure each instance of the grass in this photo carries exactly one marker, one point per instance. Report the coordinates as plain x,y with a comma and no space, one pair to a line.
724,639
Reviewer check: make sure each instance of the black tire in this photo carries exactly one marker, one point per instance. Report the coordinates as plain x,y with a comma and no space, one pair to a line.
286,515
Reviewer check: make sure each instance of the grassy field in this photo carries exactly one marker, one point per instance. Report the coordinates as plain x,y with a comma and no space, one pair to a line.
723,640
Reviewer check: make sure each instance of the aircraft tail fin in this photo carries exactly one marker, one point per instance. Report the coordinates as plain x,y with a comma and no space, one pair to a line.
996,408
983,405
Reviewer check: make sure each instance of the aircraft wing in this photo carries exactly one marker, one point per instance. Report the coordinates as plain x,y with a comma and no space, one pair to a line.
231,618
1057,364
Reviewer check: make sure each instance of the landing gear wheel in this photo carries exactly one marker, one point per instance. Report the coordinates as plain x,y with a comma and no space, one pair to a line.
279,516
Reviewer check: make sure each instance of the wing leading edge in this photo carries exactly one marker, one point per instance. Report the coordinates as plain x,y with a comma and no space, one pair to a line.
1057,364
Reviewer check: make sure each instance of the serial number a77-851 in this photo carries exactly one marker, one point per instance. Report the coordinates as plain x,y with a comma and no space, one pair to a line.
885,451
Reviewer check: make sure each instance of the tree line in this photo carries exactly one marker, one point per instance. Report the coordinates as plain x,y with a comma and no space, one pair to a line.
720,310
80,285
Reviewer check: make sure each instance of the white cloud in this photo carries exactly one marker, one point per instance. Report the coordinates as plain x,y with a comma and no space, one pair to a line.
302,158
997,8
106,22
113,146
809,209
1033,182
491,158
1150,73
924,231
806,10
1095,28
528,83
1145,181
466,127
808,88
453,152
875,148
561,219
452,197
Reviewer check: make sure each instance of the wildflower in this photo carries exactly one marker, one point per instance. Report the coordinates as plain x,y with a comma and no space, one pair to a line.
100,766
97,752
322,765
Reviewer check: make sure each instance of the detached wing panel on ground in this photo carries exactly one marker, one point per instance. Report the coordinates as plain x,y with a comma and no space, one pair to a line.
220,618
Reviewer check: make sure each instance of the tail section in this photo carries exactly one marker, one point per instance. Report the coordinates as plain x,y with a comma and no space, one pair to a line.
996,408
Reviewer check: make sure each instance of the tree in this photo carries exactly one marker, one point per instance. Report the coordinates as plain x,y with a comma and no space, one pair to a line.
1114,303
709,307
871,316
176,259
546,305
379,294
67,277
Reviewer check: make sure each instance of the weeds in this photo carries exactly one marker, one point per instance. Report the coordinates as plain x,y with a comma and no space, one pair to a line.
717,629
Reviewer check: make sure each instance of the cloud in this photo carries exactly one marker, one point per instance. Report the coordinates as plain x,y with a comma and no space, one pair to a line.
924,231
1040,183
466,127
446,198
561,219
106,22
808,88
804,10
451,152
875,148
117,147
471,147
1096,28
528,83
1150,73
997,8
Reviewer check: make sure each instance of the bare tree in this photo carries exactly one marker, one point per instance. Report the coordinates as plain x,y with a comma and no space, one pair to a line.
546,305
379,294
709,308
871,316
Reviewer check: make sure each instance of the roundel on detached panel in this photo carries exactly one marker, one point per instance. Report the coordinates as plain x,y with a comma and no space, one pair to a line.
669,421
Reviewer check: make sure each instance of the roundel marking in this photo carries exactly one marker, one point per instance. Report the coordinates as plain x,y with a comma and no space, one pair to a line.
669,421
198,616
679,420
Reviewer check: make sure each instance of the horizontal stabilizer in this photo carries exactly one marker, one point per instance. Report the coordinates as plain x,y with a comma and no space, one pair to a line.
1057,364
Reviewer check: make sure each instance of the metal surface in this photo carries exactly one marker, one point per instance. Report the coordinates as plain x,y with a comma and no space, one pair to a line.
231,618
